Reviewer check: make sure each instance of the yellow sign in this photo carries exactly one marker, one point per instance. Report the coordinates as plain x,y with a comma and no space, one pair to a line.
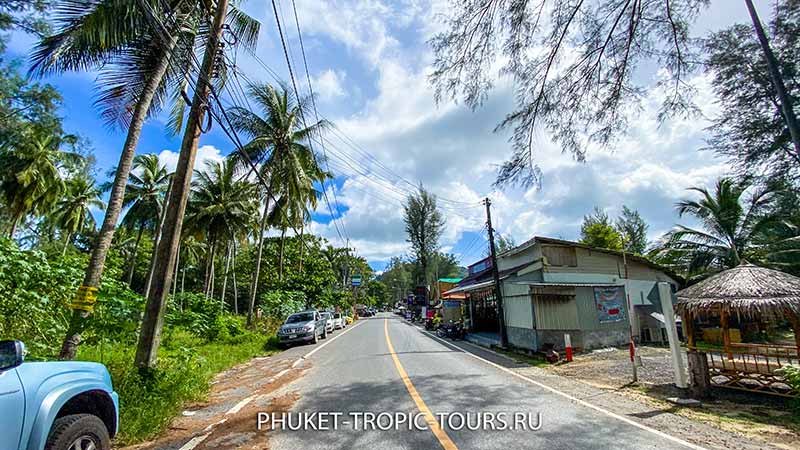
85,299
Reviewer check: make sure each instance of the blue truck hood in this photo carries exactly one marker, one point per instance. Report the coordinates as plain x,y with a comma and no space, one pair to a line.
34,374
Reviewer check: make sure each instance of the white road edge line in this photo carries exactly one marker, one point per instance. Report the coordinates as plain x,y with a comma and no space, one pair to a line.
195,441
328,341
574,399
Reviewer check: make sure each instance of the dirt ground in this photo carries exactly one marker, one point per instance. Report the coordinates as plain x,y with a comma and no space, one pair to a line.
767,418
227,419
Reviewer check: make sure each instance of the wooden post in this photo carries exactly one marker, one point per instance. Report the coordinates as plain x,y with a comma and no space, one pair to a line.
726,335
795,321
688,329
700,380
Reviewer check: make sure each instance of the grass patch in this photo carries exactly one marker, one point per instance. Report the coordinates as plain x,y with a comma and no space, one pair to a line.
525,358
186,365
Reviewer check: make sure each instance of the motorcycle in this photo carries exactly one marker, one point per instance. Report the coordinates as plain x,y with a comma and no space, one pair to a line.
452,330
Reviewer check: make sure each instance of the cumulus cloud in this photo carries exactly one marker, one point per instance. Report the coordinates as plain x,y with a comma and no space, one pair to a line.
205,153
329,84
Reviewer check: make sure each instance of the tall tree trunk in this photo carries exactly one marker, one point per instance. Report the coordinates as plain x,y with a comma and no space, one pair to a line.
183,279
177,264
235,290
66,244
254,282
153,321
280,254
157,237
302,233
135,252
94,271
209,276
225,277
13,228
787,108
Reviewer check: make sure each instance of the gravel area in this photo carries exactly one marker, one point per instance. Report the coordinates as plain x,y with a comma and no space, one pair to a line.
732,419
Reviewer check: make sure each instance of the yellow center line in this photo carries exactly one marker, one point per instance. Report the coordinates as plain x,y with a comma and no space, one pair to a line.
440,434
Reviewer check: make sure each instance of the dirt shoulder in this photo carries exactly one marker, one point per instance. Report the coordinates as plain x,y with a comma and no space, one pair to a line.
228,418
731,420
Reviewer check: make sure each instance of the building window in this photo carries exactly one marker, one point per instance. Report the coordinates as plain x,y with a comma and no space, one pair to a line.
560,256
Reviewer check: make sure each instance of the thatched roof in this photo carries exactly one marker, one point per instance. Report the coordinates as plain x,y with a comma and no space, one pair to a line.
745,290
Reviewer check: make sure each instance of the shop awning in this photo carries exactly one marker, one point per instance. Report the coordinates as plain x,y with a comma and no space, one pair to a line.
470,287
551,284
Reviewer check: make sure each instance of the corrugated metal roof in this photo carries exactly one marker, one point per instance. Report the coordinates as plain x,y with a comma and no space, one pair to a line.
542,284
470,287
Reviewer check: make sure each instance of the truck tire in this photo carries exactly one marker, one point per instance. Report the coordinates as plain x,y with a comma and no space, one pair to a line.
316,338
78,432
325,333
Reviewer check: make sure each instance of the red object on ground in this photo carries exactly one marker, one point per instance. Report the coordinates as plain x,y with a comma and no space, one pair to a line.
569,354
632,350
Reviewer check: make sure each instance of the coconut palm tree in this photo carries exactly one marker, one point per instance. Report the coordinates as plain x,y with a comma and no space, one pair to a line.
221,207
72,213
736,220
141,49
277,137
144,195
30,181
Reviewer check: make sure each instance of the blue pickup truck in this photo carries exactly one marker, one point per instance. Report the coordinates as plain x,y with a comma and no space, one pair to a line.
54,405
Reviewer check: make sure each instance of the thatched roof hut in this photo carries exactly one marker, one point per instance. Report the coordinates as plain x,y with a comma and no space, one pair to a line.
746,290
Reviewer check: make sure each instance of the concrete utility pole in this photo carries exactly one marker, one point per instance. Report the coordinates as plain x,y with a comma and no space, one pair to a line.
498,290
153,321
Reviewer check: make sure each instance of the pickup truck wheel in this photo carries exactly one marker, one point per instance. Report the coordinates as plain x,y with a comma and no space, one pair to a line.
78,432
324,333
316,338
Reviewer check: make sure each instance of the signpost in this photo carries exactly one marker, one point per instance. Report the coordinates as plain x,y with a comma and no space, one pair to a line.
355,281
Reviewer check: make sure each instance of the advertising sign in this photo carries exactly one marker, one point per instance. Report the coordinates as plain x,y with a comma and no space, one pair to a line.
610,303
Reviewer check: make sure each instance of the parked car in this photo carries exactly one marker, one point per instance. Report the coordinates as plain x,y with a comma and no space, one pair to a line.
329,325
305,326
60,405
338,321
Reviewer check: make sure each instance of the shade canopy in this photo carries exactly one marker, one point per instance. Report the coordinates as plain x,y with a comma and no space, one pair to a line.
745,290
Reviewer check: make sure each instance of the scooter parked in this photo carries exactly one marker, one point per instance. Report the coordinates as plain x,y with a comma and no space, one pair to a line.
452,330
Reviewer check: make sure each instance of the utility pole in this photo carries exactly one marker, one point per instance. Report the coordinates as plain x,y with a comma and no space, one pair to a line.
498,290
153,321
632,343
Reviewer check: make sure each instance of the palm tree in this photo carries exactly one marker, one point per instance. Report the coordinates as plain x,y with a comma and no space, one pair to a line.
138,63
277,136
736,220
221,207
30,180
144,194
72,213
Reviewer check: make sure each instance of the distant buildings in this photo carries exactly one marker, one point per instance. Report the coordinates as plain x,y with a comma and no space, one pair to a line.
553,287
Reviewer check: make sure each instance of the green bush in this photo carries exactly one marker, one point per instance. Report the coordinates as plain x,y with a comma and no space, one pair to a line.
36,294
279,303
792,375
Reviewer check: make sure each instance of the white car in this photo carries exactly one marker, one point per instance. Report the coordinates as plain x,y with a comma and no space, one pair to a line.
339,321
329,322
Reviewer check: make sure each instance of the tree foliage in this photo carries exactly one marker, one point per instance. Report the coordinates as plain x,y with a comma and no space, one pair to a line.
424,227
750,128
573,63
632,230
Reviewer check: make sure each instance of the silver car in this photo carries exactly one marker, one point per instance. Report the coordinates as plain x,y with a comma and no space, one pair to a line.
339,321
329,325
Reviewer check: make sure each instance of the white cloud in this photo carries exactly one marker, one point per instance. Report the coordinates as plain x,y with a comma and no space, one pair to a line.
204,153
454,151
329,84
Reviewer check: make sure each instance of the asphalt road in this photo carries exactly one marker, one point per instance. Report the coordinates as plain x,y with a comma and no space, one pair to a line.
384,364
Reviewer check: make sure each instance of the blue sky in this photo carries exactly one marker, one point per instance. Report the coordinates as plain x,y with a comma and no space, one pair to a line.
368,61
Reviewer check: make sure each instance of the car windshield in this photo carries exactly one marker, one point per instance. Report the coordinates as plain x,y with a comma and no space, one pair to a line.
325,316
303,317
337,316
